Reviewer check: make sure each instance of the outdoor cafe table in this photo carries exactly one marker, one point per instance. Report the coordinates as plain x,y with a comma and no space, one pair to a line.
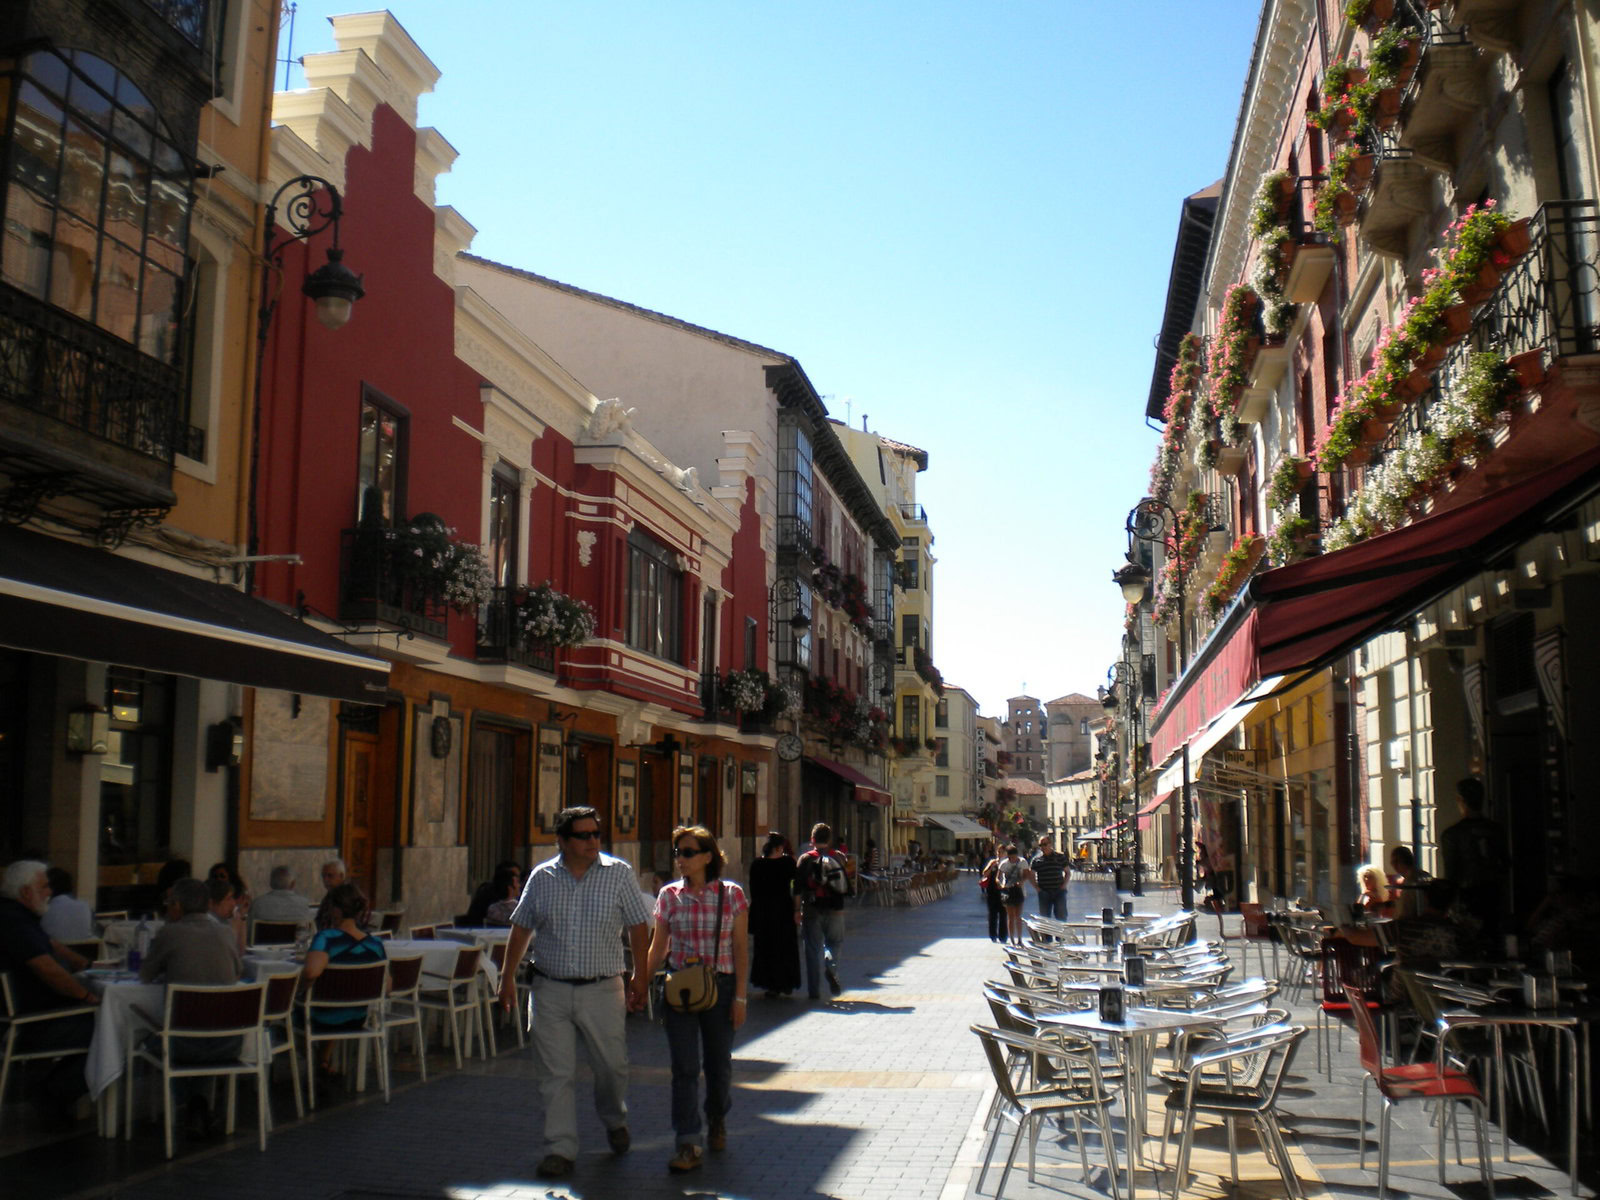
121,994
1136,1031
439,957
1566,1022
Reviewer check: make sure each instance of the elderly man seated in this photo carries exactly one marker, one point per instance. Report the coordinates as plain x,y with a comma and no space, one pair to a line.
40,970
282,903
333,874
193,947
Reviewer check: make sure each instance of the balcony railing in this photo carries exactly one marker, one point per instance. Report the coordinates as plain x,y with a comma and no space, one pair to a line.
54,365
189,19
373,590
500,636
794,536
1548,301
914,512
711,694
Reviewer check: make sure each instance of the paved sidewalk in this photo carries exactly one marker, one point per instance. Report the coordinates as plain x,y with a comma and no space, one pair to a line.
879,1094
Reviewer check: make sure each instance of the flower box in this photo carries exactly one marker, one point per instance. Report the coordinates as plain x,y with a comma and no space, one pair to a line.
1358,174
1515,239
1482,286
1529,368
1373,431
1344,206
1457,320
1387,111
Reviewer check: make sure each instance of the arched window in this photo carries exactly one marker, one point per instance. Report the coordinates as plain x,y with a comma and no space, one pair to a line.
97,199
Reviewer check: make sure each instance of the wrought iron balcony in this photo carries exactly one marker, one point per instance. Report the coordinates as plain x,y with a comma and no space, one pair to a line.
372,589
914,512
1549,301
189,19
84,407
502,640
794,536
711,694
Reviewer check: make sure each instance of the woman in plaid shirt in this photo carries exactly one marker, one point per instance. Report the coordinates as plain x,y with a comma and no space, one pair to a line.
686,922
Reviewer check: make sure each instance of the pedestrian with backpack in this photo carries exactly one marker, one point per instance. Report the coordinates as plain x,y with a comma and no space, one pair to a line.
820,888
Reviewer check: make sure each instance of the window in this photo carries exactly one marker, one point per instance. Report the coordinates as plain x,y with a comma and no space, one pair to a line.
909,631
941,715
136,770
941,785
503,525
794,484
910,562
750,628
380,472
1083,725
941,756
97,201
655,598
911,717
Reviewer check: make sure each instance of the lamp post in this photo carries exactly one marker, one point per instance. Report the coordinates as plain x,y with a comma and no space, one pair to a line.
333,288
1150,521
1121,675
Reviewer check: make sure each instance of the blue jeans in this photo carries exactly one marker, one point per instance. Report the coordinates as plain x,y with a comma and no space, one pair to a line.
693,1038
824,934
1053,903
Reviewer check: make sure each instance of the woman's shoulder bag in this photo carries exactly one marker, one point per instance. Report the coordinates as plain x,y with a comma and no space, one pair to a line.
692,988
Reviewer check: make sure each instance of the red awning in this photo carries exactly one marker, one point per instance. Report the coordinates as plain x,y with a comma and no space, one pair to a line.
1313,611
867,792
1301,617
1155,804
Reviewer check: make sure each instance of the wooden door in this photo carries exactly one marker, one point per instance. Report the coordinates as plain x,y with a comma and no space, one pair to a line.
493,773
360,817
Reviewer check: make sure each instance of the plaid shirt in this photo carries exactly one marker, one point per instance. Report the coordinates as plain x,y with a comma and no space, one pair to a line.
578,923
691,920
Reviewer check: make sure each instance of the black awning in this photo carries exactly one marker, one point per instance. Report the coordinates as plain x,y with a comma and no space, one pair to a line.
61,598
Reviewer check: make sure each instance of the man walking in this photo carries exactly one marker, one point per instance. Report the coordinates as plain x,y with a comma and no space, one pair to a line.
1050,878
580,903
820,886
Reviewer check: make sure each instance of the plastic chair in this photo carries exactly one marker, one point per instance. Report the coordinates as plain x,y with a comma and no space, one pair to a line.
14,1023
1075,1089
197,1012
282,987
1214,1087
400,1006
274,933
341,986
1411,1081
457,993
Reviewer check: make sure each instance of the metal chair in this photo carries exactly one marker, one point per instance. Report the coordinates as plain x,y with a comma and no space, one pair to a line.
14,1024
1411,1081
400,1006
1075,1089
1239,1081
278,1012
199,1013
274,933
1343,964
455,994
346,986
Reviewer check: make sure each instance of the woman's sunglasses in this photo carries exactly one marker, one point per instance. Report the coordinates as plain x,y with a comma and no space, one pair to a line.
689,851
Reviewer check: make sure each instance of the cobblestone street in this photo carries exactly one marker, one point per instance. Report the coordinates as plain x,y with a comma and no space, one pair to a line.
879,1094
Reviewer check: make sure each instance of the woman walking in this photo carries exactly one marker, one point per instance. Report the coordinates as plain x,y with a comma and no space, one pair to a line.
702,918
776,966
1011,873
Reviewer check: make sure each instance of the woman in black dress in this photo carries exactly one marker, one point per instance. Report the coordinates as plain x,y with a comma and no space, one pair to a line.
775,967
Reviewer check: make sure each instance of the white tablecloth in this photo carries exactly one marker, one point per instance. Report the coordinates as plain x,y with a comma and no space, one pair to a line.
439,957
114,1024
478,935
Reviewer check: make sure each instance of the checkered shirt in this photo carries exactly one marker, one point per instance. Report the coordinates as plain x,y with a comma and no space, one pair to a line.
578,923
691,921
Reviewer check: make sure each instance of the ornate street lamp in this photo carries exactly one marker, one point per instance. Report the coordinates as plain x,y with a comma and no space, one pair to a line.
1121,675
1150,521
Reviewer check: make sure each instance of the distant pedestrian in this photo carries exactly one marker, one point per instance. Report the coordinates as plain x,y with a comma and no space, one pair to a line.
1475,859
994,902
1050,872
702,918
580,904
820,888
1013,873
776,965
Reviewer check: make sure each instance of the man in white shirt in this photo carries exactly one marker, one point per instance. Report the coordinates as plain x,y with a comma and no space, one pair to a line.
68,919
282,903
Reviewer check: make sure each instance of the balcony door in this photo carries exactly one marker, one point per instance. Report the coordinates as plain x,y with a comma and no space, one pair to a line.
497,775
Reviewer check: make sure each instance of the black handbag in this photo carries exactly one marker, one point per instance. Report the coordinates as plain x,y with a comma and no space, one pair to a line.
692,988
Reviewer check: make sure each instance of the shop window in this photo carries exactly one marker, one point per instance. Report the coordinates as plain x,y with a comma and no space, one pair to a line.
655,599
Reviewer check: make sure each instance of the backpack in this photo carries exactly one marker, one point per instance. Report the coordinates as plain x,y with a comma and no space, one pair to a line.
829,878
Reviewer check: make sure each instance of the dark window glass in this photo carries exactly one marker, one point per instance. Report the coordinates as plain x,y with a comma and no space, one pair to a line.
380,471
655,599
911,717
503,525
136,770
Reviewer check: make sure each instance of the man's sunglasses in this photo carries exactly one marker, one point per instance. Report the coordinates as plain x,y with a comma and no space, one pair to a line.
582,834
689,851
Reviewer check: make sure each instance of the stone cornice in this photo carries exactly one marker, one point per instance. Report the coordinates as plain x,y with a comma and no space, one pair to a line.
1267,107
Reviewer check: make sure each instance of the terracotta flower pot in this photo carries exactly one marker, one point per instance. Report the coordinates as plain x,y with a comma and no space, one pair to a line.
1417,382
1359,457
1515,239
1373,431
1482,285
1343,126
1403,75
1431,356
1388,108
1387,410
1378,15
1457,320
1358,174
1529,368
1305,469
1344,207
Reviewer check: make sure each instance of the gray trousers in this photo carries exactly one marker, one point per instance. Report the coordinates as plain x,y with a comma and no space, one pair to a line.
561,1013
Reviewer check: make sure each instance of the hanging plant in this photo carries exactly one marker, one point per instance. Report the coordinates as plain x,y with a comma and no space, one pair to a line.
1348,175
546,615
1267,210
1392,54
1287,481
425,555
1235,569
1293,538
1182,386
1232,351
746,691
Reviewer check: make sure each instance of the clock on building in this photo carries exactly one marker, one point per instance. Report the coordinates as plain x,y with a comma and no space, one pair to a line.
790,747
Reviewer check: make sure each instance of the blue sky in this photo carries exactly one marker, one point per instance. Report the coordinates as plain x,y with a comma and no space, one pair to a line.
958,216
